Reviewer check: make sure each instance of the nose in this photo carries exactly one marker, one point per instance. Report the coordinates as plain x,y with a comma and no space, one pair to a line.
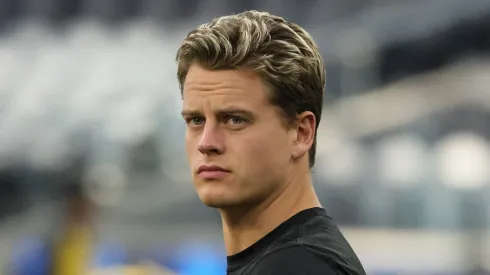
211,142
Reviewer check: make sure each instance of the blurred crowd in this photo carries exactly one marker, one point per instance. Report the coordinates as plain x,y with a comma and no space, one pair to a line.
91,149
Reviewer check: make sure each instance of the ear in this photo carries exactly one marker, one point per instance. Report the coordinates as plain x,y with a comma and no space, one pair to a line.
304,134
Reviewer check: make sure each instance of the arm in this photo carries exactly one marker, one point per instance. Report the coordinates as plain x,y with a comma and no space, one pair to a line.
292,261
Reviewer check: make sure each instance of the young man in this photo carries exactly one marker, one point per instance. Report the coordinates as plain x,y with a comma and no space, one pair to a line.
252,87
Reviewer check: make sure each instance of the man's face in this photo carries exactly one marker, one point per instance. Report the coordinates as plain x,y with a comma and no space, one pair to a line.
238,146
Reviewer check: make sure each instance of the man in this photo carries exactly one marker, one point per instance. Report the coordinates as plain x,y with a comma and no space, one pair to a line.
252,87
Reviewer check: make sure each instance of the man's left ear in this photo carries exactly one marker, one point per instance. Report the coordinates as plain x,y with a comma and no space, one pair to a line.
305,134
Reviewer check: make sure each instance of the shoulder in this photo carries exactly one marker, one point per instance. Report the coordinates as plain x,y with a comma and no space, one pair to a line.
295,260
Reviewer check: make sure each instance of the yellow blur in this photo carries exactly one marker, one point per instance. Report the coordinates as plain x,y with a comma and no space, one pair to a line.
141,269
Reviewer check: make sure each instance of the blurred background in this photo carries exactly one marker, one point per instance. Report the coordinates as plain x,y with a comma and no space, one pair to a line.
92,169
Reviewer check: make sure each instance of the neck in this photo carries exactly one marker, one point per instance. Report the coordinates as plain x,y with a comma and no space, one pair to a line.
245,225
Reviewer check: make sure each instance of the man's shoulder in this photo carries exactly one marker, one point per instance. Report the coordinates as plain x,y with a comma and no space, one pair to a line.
293,259
314,245
309,243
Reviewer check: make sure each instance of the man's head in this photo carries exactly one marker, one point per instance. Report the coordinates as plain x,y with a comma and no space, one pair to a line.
252,87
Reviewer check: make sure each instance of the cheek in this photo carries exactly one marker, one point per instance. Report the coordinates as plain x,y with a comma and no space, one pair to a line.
190,145
269,150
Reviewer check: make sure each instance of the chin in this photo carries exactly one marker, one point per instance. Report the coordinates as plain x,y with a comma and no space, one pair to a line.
215,202
215,205
217,199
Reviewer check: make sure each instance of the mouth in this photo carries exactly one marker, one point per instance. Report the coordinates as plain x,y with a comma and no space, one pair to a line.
211,168
212,172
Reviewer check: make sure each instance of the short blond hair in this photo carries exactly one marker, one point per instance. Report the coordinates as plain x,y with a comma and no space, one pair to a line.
283,54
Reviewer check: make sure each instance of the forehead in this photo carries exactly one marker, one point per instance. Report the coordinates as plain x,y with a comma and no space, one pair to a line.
242,87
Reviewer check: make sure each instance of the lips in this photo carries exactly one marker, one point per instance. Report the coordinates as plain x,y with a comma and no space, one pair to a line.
212,172
211,168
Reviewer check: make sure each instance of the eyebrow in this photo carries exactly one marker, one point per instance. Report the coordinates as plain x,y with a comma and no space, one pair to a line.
187,113
232,110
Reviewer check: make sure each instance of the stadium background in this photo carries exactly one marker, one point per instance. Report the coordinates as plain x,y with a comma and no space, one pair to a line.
403,151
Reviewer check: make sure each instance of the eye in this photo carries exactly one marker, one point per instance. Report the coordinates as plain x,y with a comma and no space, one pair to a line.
235,120
196,121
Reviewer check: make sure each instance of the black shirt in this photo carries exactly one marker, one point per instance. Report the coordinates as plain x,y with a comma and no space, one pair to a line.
309,243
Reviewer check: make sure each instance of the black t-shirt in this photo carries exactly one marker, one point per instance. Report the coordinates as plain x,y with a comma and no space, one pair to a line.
309,243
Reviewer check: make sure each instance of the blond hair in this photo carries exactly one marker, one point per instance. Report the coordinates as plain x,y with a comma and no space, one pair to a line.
283,54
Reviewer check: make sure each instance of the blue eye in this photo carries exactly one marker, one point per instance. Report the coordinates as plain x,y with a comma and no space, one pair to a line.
236,120
196,121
